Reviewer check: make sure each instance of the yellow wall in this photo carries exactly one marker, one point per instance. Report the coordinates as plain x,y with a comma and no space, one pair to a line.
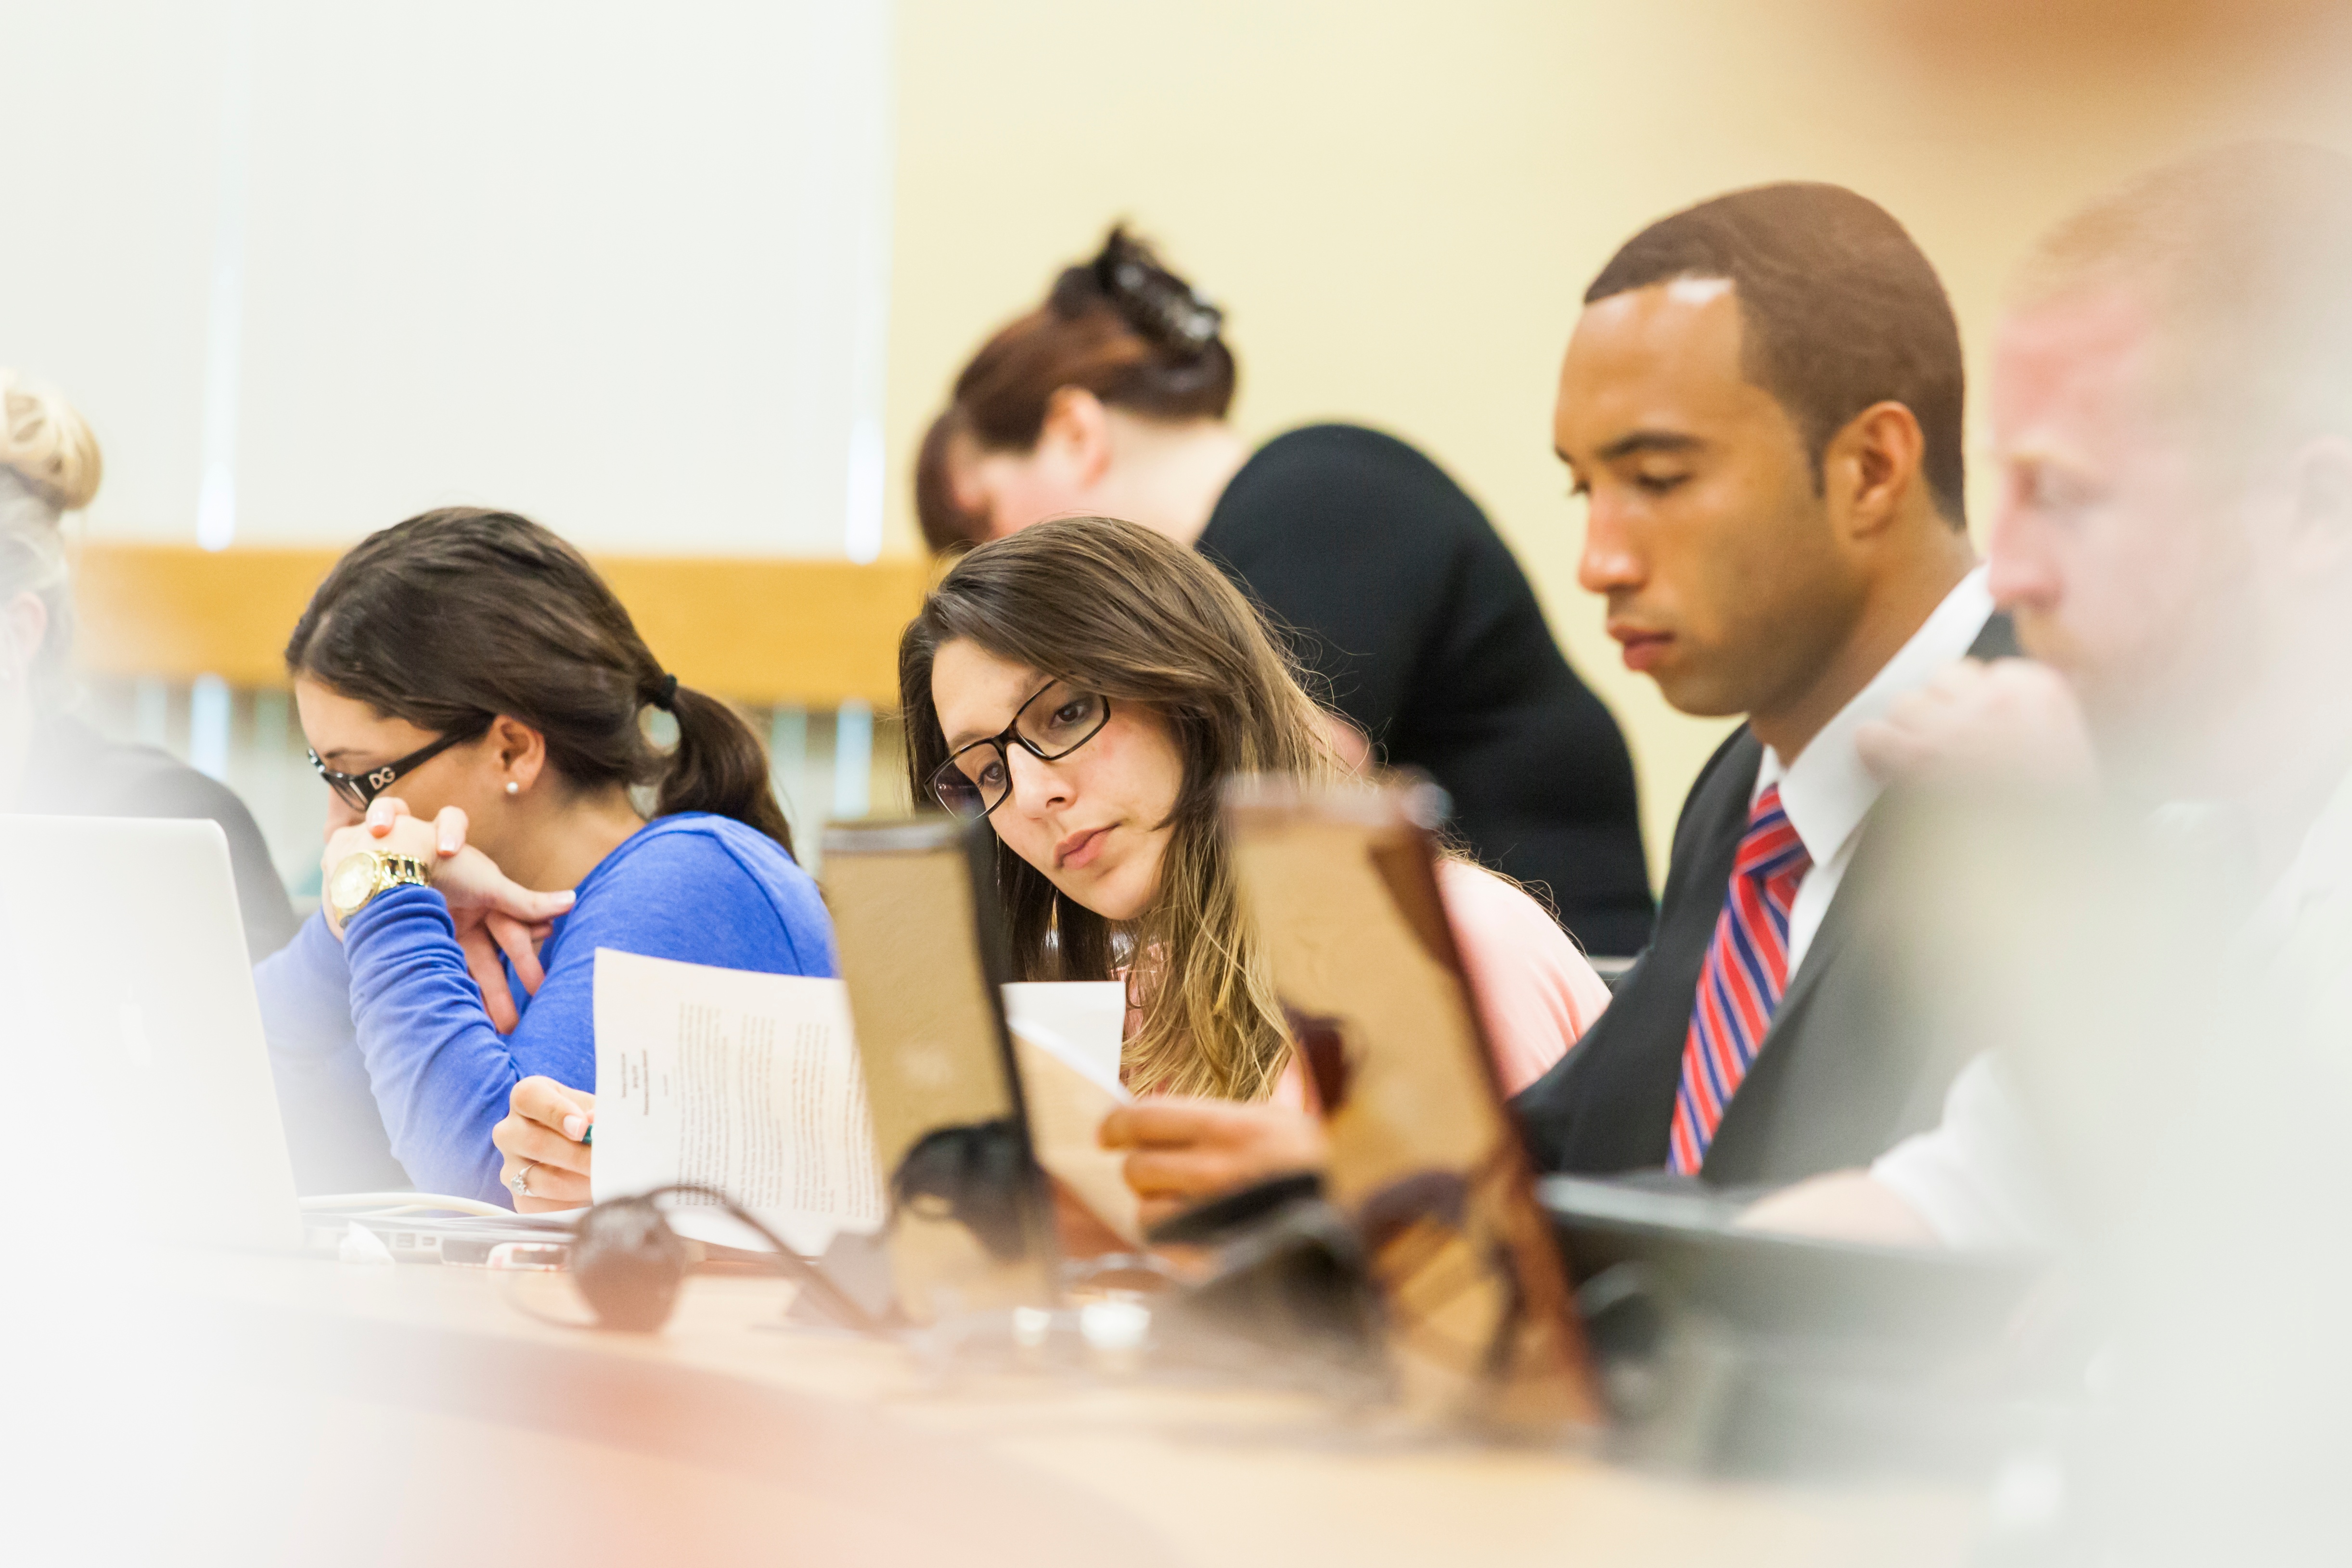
1400,201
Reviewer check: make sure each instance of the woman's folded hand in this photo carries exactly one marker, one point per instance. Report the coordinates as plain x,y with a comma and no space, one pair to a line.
493,913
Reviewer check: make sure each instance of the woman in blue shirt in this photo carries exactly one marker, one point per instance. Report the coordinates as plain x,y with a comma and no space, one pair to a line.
475,699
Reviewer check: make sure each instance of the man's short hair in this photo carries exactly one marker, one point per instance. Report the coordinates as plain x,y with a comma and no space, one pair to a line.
1838,310
2244,253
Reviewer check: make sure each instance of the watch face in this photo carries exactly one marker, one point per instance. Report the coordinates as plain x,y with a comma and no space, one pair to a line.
353,880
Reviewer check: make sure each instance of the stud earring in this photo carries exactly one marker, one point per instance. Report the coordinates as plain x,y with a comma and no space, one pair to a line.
513,788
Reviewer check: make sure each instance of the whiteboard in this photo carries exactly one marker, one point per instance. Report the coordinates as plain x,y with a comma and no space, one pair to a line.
311,267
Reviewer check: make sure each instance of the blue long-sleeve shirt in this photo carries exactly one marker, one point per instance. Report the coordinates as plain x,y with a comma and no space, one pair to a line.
383,1052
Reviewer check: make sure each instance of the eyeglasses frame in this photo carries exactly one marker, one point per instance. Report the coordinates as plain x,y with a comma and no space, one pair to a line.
359,791
1012,732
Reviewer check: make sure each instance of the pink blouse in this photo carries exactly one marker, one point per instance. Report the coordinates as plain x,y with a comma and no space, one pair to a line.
1537,995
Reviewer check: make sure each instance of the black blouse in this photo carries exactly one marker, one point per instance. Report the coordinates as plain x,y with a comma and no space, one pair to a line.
1398,592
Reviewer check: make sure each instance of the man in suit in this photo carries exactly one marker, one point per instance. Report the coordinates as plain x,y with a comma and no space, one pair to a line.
1762,404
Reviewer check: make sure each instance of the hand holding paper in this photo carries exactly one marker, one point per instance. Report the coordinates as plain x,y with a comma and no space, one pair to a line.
1174,1152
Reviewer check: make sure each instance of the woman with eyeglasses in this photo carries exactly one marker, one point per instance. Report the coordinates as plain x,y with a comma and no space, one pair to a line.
1111,397
1086,687
477,701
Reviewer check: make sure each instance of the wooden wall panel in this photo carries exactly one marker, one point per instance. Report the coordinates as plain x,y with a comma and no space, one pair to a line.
762,631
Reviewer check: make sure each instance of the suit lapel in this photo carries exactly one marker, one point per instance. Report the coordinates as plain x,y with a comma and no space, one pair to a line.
1821,957
1997,640
1825,959
1609,1103
1766,1107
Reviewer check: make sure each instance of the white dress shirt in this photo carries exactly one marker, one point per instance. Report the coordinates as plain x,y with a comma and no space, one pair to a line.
1826,791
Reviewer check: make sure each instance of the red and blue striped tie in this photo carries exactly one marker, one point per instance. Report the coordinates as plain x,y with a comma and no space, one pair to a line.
1740,989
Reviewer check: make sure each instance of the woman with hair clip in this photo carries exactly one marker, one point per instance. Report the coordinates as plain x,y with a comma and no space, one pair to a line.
51,763
476,700
1111,397
1086,687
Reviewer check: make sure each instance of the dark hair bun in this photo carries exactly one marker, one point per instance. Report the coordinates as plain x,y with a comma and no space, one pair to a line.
1120,326
1130,277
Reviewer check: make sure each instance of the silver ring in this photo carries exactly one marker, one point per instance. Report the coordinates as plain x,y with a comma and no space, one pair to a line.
521,1182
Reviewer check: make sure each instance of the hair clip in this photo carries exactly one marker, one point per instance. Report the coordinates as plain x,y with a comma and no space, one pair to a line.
1155,301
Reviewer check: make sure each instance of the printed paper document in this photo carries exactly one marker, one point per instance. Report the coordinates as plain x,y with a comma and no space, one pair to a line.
745,1082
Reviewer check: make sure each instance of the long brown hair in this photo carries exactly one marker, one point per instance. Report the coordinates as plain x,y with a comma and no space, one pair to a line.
1120,610
1122,326
457,616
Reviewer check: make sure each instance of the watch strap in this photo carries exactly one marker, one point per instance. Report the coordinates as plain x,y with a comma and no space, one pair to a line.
400,871
389,870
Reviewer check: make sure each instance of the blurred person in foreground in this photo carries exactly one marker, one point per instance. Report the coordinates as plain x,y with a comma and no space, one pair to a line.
2173,414
51,763
1401,601
1763,402
2172,409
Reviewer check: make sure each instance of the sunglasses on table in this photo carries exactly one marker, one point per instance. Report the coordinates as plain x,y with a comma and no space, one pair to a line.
1058,719
359,790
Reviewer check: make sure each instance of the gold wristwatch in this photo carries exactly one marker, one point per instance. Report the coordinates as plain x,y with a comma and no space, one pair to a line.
360,877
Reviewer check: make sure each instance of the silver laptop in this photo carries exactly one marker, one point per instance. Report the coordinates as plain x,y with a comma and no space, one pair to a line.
128,1021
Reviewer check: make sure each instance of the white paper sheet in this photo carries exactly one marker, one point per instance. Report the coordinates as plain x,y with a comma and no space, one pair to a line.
1067,1037
1084,1021
746,1082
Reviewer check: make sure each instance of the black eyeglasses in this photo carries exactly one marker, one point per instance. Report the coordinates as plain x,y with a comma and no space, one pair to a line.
358,790
1058,719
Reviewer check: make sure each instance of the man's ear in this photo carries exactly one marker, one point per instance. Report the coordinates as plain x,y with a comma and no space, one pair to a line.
23,627
1870,471
2319,530
1078,426
519,751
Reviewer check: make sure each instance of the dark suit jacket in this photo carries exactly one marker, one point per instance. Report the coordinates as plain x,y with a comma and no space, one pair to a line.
1836,1081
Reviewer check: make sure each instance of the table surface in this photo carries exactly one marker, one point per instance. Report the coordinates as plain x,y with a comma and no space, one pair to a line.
425,1414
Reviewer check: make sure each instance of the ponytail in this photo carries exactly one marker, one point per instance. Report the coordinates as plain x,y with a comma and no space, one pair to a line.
719,766
457,616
